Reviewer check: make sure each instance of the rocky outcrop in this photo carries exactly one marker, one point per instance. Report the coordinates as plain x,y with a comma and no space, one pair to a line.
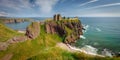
76,28
60,28
69,29
53,27
33,30
17,39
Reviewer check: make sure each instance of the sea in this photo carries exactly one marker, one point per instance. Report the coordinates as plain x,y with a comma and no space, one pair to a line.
101,33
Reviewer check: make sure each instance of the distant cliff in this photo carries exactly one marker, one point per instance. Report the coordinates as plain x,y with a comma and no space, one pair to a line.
13,20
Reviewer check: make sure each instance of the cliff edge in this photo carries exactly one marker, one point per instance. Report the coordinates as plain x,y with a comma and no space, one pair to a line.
68,28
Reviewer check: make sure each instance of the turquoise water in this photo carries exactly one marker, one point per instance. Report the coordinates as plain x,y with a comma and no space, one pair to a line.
18,26
101,33
23,25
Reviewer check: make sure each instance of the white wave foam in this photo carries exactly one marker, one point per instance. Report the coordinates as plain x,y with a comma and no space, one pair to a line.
89,49
105,52
86,49
83,37
98,29
86,28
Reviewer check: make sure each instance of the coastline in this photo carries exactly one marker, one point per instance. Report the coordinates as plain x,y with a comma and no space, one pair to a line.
75,49
21,31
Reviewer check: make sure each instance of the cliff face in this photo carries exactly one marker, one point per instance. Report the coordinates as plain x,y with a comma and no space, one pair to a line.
70,30
76,29
54,27
33,30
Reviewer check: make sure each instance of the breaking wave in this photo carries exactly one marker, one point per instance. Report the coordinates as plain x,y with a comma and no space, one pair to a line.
83,37
86,28
98,29
106,52
86,49
92,51
89,49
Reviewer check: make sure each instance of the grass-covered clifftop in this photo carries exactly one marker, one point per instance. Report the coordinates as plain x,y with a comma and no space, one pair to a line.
6,33
68,29
43,47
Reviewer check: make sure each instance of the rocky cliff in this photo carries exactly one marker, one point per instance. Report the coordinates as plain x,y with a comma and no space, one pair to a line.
33,30
70,30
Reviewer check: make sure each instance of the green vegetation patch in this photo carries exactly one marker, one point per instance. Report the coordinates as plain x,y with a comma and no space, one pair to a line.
6,33
53,53
29,48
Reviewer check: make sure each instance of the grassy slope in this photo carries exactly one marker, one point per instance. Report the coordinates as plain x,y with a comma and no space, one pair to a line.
6,33
43,48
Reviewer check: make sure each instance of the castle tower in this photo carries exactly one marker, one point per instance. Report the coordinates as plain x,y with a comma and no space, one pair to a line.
57,17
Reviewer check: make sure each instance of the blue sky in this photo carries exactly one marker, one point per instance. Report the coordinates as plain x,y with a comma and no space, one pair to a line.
47,8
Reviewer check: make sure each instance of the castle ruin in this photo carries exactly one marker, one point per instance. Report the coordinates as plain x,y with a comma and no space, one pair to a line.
57,17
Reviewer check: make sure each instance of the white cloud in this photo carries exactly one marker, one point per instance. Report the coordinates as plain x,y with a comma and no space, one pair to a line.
91,1
101,15
15,4
106,5
3,14
46,6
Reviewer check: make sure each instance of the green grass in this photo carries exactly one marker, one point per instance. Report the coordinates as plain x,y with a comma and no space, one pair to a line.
29,48
82,56
54,53
69,31
6,33
43,48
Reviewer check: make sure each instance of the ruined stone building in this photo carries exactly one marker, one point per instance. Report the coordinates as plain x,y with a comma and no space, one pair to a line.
57,17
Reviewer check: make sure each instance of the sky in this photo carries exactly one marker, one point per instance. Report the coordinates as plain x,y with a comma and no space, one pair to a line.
47,8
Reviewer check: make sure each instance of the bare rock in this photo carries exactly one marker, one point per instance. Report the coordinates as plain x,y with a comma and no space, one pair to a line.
33,30
51,27
48,28
3,45
54,28
17,39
